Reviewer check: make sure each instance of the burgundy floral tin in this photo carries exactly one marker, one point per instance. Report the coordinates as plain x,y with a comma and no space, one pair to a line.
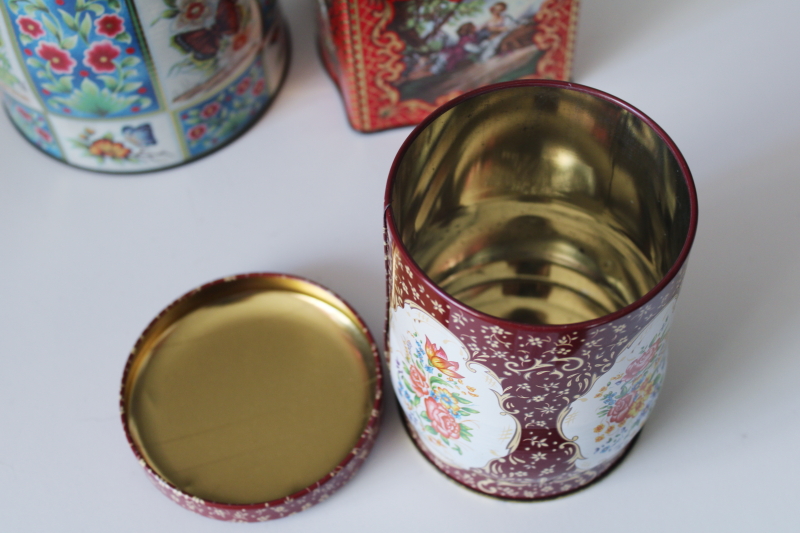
252,397
536,240
395,61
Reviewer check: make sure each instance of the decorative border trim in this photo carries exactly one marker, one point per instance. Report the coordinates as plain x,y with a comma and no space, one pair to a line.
371,56
147,56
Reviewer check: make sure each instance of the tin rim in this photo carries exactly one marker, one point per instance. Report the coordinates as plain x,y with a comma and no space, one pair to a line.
619,313
363,444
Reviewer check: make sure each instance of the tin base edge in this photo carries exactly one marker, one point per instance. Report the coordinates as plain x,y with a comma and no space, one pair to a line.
602,476
257,118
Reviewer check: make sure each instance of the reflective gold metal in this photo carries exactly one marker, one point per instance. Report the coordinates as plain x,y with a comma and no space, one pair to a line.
541,205
251,390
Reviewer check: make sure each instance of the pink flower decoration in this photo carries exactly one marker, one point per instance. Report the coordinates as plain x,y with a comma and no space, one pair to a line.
620,412
195,11
239,41
100,57
60,61
641,363
210,110
258,88
197,132
243,86
109,25
418,382
30,27
24,114
441,420
44,135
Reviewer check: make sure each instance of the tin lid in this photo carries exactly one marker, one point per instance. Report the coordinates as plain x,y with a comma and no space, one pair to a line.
252,397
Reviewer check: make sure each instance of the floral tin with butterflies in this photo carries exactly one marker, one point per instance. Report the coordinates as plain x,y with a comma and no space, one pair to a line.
395,61
129,86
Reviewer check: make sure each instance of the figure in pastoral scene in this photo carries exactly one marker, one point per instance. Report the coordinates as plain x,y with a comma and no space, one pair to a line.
458,55
495,30
454,46
501,22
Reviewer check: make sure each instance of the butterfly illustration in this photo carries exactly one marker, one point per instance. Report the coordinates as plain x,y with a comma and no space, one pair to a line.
140,136
204,43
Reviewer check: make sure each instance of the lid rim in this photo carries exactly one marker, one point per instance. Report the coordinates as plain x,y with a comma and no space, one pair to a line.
343,470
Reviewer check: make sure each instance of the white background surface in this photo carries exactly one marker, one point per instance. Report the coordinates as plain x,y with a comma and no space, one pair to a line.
87,260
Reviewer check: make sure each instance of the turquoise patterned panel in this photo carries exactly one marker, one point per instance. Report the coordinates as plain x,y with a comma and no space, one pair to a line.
83,56
33,125
215,120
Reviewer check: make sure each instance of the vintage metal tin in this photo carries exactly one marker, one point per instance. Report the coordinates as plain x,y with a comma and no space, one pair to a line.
537,236
252,397
395,61
128,86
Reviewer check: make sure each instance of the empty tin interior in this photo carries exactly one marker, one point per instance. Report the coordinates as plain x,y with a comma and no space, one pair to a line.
250,390
542,204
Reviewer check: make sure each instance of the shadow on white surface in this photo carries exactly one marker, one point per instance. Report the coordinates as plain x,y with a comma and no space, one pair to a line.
302,18
607,30
363,288
739,299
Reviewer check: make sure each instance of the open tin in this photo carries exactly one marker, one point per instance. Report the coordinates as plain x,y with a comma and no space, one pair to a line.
537,236
252,397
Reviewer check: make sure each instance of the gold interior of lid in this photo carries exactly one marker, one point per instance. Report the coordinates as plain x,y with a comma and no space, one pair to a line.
251,390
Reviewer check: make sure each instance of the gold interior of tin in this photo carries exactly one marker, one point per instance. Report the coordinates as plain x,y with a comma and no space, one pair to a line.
250,390
541,205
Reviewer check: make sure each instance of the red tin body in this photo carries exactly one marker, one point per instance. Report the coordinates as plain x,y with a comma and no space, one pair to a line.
395,61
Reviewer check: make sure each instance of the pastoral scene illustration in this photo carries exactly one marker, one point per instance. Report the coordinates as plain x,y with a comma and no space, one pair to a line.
459,45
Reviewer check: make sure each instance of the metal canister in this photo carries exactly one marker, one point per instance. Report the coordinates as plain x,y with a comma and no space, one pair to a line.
128,86
396,61
537,238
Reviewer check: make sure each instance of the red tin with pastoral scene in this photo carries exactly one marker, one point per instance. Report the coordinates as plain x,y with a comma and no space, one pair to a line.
513,376
395,61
